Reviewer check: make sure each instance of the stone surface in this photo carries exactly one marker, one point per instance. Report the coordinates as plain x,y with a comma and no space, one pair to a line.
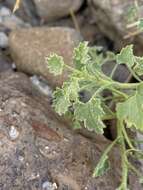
5,62
9,20
26,12
44,149
116,11
3,40
51,10
29,47
42,153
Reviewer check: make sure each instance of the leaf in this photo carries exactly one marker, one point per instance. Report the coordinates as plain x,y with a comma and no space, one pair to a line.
61,102
138,68
65,95
96,59
131,111
81,56
17,5
102,167
76,125
126,56
71,89
91,114
55,64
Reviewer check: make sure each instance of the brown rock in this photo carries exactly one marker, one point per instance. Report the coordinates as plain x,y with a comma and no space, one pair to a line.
29,47
112,18
51,10
28,160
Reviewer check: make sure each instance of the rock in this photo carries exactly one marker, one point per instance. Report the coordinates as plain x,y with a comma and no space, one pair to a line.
3,40
9,20
26,12
30,58
51,10
117,13
5,62
42,154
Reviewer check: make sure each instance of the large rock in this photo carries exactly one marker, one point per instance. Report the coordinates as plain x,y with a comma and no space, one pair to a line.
51,10
112,18
37,150
29,47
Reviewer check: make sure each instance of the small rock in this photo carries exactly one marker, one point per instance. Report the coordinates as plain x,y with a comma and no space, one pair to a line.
51,10
3,40
42,85
13,133
9,20
43,41
49,186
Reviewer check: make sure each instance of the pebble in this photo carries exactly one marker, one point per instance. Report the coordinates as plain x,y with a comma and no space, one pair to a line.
13,133
49,186
3,40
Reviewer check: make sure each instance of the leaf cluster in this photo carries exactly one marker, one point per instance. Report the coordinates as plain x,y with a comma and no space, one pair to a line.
87,75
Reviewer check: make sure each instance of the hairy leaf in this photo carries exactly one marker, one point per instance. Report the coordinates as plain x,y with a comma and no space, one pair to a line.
126,56
91,114
61,102
102,166
55,64
81,56
131,111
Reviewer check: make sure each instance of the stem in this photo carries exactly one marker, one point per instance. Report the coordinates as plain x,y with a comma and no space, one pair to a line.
134,169
123,157
113,70
134,75
127,138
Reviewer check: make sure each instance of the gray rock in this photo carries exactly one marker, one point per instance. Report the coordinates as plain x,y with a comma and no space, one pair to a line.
9,20
3,40
112,18
51,10
43,154
29,47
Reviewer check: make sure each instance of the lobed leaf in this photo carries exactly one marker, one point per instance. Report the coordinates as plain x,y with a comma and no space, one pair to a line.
55,64
81,56
91,114
131,111
126,56
61,102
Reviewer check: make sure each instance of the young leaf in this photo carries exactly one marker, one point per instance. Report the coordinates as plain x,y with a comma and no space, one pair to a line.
126,56
131,111
81,56
91,114
61,102
102,166
55,64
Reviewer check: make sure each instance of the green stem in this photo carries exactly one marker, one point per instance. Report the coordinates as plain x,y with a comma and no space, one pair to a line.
124,159
134,169
134,74
127,138
113,70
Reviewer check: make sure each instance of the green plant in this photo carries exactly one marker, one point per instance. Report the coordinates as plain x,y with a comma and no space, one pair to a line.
87,75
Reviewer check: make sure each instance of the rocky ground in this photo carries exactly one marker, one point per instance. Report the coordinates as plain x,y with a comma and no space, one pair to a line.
38,149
